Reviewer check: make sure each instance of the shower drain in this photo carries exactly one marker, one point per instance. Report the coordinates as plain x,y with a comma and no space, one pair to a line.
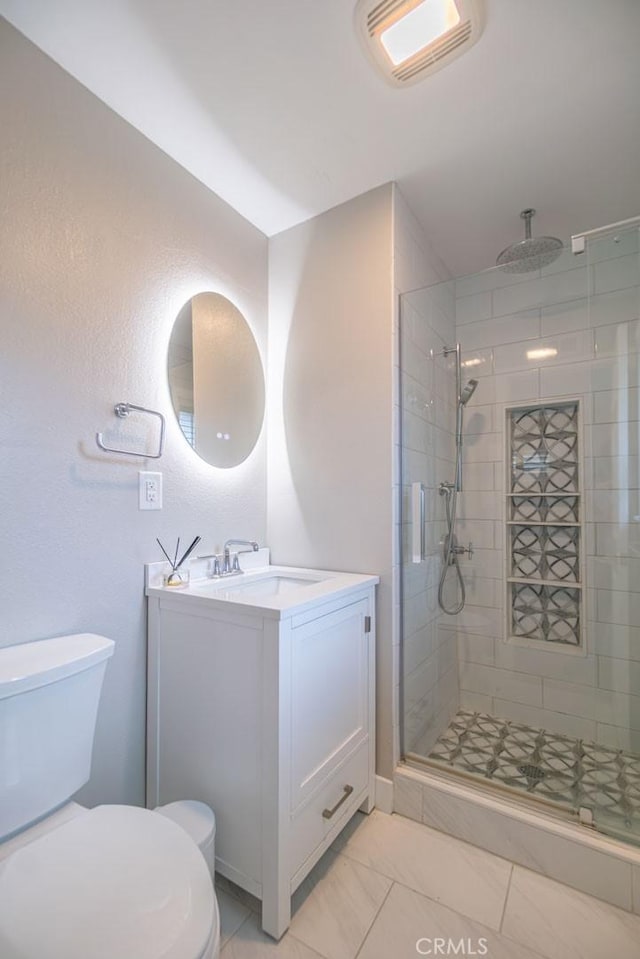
533,773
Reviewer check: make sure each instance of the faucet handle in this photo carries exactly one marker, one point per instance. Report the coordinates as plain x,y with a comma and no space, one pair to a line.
215,566
236,564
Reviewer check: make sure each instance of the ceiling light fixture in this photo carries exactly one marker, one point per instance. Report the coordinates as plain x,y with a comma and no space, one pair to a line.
408,39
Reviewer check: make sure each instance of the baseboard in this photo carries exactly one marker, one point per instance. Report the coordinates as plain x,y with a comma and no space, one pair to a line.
384,794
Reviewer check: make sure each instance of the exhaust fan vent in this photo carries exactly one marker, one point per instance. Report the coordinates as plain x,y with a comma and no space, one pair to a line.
382,11
409,39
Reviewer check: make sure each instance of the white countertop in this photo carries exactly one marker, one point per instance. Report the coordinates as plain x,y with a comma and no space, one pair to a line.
273,591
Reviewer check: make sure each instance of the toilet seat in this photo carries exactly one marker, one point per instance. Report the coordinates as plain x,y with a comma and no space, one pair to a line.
116,882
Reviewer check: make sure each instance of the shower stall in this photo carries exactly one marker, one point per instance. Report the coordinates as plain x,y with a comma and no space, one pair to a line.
520,576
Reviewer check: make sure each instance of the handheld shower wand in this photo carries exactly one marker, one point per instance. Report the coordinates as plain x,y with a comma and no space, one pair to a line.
464,396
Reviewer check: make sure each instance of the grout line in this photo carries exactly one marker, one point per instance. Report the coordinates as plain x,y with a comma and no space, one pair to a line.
242,924
289,935
506,897
371,924
368,865
271,942
490,931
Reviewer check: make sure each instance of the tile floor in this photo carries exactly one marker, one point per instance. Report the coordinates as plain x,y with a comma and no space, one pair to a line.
571,772
391,888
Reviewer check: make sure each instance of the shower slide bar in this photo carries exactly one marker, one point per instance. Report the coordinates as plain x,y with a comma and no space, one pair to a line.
578,240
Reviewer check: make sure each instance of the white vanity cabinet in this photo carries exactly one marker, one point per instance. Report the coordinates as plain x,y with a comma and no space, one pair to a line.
265,711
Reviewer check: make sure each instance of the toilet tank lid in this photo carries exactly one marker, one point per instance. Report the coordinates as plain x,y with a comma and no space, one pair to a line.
46,661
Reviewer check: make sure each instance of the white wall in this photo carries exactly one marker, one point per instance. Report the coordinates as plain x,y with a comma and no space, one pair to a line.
330,435
102,239
334,439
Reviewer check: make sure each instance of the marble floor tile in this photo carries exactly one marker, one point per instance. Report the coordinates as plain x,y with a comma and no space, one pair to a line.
461,876
410,924
250,942
336,904
232,914
565,924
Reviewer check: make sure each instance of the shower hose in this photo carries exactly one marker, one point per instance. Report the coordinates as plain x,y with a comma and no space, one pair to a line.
449,552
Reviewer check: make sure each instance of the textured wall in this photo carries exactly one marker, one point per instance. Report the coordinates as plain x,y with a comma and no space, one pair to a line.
102,239
334,480
330,369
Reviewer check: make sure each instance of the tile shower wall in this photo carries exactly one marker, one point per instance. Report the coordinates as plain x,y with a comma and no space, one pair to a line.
430,667
583,312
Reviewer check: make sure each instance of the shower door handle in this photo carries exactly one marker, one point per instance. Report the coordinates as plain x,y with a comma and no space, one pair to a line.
417,522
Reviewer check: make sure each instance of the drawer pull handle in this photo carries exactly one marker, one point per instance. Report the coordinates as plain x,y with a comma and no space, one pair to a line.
328,813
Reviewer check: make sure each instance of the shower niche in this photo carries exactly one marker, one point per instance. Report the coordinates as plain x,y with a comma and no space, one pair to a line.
544,531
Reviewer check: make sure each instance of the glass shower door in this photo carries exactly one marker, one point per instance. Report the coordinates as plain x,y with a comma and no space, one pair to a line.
534,688
429,665
612,768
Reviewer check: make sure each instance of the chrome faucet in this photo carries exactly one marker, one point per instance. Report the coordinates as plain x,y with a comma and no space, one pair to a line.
227,566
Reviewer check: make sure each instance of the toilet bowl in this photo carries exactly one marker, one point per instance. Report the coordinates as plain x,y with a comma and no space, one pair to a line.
111,882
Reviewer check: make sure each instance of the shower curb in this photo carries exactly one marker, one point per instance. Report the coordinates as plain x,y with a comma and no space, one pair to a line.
575,855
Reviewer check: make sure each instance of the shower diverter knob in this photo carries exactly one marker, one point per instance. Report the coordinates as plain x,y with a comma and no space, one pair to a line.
460,550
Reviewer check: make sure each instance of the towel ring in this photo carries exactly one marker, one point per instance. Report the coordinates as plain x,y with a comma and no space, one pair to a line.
122,410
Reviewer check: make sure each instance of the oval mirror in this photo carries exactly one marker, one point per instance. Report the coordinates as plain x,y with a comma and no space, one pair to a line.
216,379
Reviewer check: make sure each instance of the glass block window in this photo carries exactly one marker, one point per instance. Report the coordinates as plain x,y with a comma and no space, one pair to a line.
544,524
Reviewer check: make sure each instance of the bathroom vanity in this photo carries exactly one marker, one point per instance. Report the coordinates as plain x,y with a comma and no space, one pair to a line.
261,704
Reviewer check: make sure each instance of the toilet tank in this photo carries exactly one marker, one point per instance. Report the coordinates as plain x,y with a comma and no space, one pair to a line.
49,694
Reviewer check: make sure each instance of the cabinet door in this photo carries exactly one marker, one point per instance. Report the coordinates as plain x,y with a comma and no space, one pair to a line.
329,695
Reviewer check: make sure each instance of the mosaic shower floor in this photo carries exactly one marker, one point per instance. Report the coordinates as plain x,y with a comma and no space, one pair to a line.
572,772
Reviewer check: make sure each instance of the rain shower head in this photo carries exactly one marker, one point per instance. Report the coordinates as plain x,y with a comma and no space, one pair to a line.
467,392
532,252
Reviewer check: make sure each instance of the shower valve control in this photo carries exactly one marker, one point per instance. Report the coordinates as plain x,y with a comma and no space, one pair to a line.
460,550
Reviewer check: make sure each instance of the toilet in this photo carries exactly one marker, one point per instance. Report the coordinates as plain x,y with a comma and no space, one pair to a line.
113,882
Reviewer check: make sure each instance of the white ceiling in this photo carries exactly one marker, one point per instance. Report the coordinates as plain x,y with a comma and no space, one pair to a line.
273,105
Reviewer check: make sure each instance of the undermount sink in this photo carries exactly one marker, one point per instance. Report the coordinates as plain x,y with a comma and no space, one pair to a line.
275,585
